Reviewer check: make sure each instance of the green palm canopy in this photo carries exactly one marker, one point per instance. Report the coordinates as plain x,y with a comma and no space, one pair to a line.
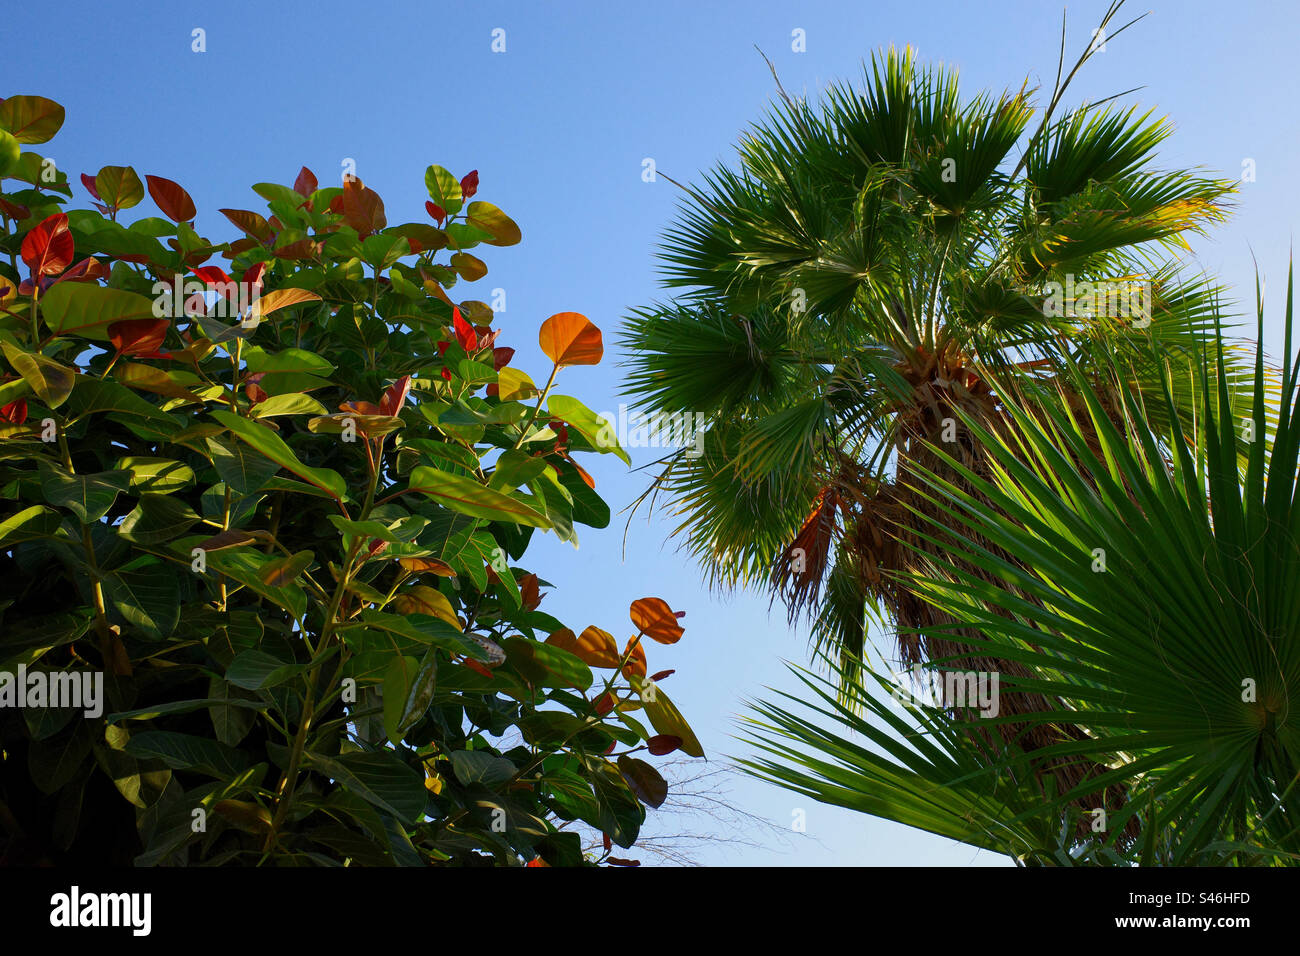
856,288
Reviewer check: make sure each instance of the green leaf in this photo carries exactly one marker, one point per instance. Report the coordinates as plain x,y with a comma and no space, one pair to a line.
9,152
159,475
514,468
273,447
405,529
119,187
408,690
147,595
283,571
157,519
444,189
242,469
289,403
421,628
31,119
28,525
667,719
546,665
187,752
467,496
245,566
183,707
87,310
472,766
619,812
599,433
52,763
91,396
89,497
644,780
382,250
51,381
589,508
490,219
380,778
257,670
273,192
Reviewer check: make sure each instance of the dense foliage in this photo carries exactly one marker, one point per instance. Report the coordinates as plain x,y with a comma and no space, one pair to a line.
279,503
1146,579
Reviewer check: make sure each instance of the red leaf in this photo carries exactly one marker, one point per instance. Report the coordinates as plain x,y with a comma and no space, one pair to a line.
89,183
609,844
477,668
174,201
255,393
662,674
589,481
253,278
14,210
302,249
138,336
537,861
464,334
395,396
377,546
442,348
362,208
48,247
619,861
306,183
605,703
501,358
212,275
662,744
436,212
15,412
446,375
469,185
494,390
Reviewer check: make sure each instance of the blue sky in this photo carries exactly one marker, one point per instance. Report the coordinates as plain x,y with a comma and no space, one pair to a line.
558,126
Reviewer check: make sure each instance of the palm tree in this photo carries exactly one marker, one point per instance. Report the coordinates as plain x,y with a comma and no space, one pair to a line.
855,291
1176,657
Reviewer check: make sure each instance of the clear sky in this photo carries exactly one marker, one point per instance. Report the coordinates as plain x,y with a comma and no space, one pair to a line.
558,126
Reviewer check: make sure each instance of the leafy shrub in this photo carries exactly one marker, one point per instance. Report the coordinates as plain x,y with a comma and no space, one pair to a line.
277,505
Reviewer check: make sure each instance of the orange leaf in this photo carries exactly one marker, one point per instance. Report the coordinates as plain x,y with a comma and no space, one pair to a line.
595,647
282,299
529,592
654,618
636,665
432,565
138,336
570,338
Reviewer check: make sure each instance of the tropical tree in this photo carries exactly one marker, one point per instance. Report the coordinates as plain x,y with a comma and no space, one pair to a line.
1143,577
877,271
271,515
